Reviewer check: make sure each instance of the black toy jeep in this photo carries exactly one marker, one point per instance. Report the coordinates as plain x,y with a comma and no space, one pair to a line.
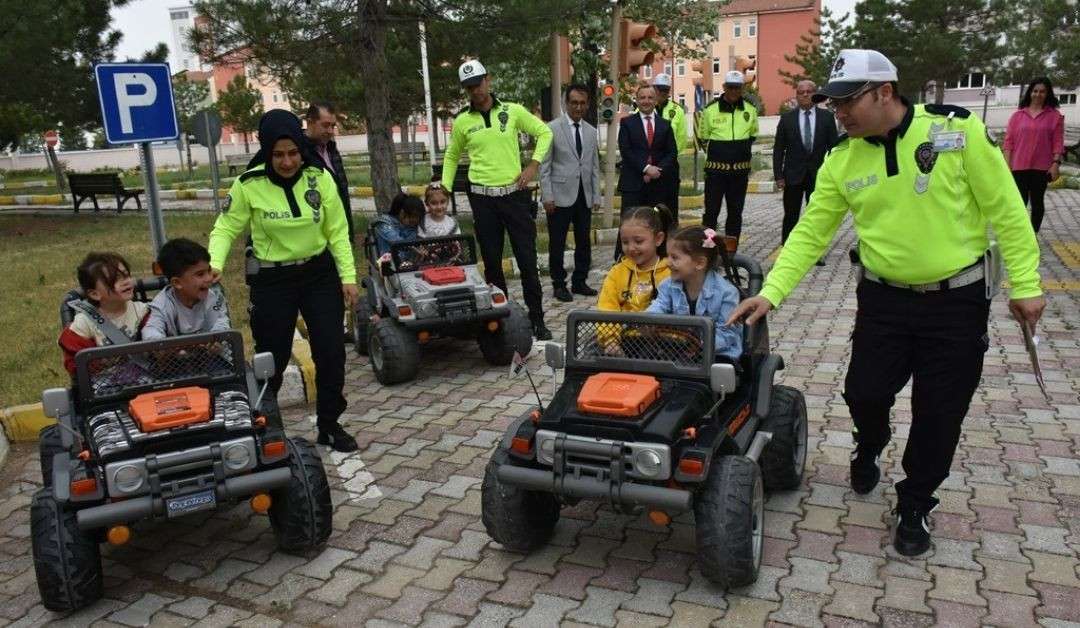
648,418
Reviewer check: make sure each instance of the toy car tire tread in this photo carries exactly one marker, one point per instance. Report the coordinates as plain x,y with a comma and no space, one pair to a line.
397,350
784,457
49,444
361,322
726,510
520,520
67,560
301,512
514,334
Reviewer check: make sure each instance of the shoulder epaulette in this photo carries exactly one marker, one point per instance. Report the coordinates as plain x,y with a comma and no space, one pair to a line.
944,110
841,142
257,171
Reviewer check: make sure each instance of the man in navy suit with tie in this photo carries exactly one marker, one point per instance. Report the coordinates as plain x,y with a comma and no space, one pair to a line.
647,148
803,135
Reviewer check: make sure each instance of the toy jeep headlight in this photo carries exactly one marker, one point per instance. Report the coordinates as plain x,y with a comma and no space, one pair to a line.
648,463
129,478
236,456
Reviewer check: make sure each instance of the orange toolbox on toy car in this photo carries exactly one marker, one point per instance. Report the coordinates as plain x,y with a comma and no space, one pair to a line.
618,394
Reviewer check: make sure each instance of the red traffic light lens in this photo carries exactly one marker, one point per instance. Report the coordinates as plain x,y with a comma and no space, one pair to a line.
608,91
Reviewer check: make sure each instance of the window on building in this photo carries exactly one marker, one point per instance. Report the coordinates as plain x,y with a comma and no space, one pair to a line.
667,68
1067,99
972,80
646,71
751,28
179,15
680,68
716,65
736,29
275,96
682,99
715,95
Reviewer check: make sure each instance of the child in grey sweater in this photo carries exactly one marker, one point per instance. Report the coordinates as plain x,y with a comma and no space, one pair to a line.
192,303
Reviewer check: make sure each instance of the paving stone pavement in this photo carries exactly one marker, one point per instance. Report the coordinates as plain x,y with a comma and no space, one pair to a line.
409,548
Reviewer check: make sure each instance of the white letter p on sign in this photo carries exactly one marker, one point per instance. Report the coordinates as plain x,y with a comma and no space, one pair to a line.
126,100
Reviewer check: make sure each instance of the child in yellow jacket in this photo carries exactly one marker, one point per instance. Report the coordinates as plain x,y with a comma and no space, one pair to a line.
631,284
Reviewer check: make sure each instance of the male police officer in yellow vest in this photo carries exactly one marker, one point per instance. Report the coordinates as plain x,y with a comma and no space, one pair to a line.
921,182
673,113
488,130
726,129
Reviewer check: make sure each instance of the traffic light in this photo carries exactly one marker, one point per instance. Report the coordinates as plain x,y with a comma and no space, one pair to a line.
631,54
705,80
609,103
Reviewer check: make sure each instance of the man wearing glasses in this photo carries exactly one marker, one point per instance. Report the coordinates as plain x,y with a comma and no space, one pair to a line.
921,182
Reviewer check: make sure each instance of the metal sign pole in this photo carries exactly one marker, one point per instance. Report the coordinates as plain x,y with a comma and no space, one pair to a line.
215,177
612,144
153,210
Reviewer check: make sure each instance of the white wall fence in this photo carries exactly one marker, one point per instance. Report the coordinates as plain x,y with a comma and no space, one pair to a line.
166,155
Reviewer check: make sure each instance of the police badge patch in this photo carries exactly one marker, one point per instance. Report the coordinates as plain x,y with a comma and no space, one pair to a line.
314,199
925,157
228,203
504,118
746,116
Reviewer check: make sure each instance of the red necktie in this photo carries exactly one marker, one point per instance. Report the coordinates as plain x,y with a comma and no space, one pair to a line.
648,130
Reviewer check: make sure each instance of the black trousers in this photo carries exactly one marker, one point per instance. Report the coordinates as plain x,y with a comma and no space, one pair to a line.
314,291
936,339
721,186
793,200
580,215
514,214
1032,185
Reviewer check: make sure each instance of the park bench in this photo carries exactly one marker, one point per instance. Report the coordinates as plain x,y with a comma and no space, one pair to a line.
1072,143
238,161
85,186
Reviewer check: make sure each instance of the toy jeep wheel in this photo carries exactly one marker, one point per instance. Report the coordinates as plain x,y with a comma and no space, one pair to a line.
394,352
361,319
514,334
728,514
519,519
301,512
49,444
784,456
67,560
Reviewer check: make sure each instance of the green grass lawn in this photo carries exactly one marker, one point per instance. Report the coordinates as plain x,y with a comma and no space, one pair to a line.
39,258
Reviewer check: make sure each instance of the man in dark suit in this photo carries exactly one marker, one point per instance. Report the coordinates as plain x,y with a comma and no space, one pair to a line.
647,148
321,125
802,137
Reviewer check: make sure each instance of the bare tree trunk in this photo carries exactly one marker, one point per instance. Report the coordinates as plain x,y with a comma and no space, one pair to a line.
246,148
939,92
373,65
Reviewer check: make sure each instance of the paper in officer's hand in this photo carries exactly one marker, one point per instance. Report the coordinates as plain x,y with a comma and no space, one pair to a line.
1031,343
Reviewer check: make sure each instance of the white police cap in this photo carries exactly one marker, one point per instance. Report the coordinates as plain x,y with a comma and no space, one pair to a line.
852,70
662,80
471,72
734,77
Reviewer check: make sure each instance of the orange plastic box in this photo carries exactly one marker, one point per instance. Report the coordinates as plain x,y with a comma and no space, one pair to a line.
166,409
443,275
618,394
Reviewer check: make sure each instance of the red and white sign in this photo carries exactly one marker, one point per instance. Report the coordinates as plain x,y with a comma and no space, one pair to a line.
52,138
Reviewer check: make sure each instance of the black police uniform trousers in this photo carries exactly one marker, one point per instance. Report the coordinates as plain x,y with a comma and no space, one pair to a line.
312,289
730,187
515,214
938,340
580,215
793,200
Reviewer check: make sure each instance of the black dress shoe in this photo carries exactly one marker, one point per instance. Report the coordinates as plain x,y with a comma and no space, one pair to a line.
865,473
562,294
820,262
912,532
337,438
584,290
540,331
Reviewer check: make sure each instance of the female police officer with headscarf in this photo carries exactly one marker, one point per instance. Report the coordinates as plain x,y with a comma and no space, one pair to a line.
303,261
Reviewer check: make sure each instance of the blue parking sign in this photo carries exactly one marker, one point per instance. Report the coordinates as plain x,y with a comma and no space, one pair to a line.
136,102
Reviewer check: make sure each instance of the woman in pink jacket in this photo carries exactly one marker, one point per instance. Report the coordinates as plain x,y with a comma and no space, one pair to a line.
1035,143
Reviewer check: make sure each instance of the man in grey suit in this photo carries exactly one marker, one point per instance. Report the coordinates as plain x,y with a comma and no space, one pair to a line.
803,136
570,190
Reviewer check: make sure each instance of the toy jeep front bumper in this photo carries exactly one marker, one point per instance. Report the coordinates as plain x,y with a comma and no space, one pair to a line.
481,316
605,475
